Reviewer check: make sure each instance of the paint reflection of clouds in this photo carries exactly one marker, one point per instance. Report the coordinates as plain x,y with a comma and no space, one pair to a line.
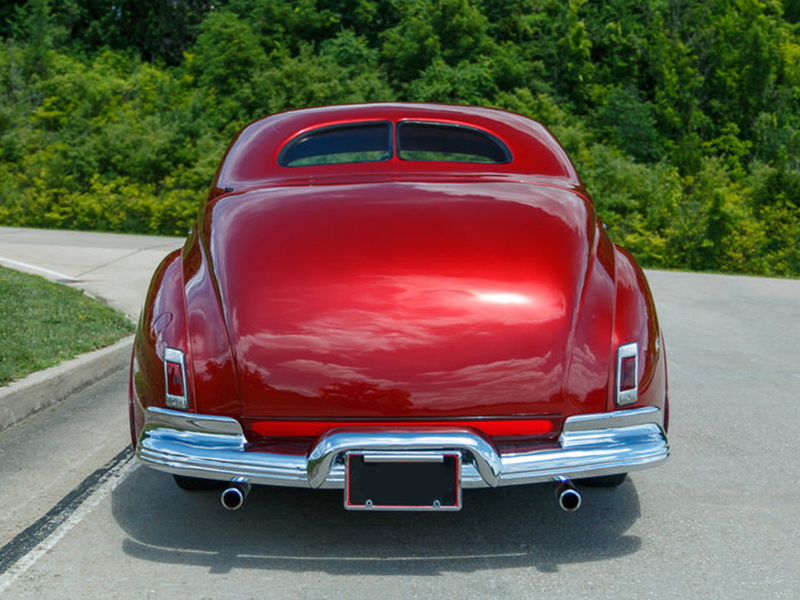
556,202
514,380
503,298
401,313
334,371
368,332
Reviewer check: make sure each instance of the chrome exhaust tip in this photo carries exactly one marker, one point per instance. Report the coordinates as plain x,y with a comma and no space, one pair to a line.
233,496
569,499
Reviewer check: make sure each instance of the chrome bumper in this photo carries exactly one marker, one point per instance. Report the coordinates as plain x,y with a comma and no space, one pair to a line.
213,447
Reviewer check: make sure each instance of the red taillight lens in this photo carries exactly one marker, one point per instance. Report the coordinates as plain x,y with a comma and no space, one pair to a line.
627,373
177,393
626,385
174,379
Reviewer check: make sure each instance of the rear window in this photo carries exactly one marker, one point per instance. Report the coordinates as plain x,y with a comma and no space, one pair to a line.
445,142
372,142
360,142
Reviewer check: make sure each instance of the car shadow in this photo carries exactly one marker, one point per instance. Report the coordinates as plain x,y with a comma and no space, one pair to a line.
302,530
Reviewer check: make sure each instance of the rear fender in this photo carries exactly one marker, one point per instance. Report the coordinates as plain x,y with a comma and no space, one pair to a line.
162,324
586,386
636,321
216,386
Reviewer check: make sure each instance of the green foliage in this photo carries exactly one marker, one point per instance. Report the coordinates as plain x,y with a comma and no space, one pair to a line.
160,30
287,24
447,32
683,118
43,323
227,53
776,203
630,124
334,75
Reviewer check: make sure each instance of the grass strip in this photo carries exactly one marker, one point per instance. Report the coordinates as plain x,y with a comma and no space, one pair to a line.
44,323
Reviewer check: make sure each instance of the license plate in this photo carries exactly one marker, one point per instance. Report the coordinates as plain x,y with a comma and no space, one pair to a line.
403,481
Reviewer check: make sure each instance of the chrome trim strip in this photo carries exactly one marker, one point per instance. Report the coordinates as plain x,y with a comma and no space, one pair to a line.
590,454
615,419
215,447
211,447
192,422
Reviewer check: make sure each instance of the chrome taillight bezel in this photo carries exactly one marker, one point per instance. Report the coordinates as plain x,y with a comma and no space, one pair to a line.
625,397
176,357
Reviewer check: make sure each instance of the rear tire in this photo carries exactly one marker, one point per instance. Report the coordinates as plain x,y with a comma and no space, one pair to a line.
606,481
195,484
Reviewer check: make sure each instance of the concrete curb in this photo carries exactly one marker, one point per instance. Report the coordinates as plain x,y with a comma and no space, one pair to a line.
39,390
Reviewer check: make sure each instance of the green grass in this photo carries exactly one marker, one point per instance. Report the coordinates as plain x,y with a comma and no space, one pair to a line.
44,323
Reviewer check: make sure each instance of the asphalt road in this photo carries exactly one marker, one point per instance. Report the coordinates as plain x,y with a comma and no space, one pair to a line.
112,266
721,519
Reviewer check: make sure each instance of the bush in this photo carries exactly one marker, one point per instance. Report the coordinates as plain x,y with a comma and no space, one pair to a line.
682,118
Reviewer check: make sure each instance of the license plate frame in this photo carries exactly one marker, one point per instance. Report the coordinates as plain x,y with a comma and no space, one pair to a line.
407,481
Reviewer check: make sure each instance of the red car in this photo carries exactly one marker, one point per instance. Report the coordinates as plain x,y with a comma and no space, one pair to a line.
401,301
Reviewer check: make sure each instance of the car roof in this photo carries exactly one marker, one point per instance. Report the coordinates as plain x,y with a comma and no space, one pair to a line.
252,159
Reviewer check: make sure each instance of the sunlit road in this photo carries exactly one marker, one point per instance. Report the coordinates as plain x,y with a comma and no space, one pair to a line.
721,519
112,266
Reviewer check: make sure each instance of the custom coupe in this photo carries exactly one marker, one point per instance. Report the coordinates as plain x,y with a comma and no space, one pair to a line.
401,301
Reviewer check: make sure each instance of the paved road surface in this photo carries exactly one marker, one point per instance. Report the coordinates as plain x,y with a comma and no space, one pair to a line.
721,519
111,266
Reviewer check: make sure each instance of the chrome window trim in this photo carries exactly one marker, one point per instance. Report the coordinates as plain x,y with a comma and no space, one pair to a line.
215,447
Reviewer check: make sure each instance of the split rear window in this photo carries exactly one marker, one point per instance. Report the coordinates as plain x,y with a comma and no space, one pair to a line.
374,142
359,142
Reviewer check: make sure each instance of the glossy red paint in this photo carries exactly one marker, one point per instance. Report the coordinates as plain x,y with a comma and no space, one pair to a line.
251,159
399,298
162,324
309,297
635,320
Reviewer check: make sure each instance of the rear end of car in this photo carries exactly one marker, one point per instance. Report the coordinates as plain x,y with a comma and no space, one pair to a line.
403,342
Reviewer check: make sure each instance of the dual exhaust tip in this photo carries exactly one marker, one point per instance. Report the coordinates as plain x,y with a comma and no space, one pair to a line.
234,495
569,499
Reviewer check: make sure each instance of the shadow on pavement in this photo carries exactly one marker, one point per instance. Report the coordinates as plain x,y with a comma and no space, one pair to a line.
303,530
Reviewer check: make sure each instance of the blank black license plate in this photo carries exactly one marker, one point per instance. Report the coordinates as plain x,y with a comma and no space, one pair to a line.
384,481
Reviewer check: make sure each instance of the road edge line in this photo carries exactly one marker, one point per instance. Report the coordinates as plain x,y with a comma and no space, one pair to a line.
21,553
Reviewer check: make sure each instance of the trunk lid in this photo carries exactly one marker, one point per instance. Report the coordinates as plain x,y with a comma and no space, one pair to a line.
401,299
